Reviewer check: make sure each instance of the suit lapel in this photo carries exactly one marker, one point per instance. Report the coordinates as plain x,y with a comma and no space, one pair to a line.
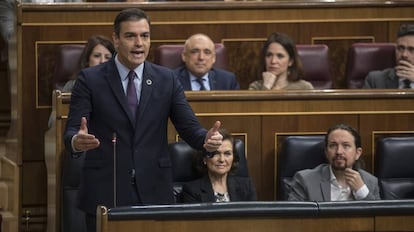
148,81
206,190
114,80
233,188
212,79
326,183
185,76
392,79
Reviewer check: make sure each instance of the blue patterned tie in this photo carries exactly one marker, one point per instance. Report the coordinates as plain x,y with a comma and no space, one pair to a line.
132,93
201,82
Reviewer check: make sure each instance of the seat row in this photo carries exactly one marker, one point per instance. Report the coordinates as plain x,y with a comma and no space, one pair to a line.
393,160
362,58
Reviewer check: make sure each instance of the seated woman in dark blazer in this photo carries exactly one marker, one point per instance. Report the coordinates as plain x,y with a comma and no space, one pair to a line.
218,183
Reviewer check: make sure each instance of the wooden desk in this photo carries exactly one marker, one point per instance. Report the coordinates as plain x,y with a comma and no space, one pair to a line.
260,217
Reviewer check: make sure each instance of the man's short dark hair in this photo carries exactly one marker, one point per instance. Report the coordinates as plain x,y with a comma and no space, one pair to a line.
352,131
405,29
130,14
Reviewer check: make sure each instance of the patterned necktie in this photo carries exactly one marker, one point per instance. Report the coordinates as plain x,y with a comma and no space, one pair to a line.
132,93
407,84
201,82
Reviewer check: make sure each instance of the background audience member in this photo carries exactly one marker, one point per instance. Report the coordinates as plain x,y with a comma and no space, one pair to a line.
281,67
7,29
218,184
402,75
98,50
340,180
118,119
198,73
7,18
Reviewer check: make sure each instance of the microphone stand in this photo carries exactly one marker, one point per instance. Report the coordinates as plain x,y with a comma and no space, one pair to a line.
114,154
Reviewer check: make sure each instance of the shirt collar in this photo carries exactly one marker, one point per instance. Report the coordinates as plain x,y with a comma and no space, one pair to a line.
123,70
194,78
333,177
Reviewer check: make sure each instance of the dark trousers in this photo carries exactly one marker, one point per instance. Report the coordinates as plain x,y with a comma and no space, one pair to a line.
90,222
90,219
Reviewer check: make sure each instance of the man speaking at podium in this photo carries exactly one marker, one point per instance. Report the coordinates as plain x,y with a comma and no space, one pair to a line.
118,119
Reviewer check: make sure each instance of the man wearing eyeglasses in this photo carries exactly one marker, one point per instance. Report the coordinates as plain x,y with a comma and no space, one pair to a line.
402,75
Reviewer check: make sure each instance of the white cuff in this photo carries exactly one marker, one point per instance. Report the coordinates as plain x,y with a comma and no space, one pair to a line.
361,193
73,145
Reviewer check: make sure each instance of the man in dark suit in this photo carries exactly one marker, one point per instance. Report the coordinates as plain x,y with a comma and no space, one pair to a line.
118,117
402,75
198,73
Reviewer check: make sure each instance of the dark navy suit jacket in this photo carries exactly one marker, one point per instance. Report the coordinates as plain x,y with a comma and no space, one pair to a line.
200,190
382,79
219,79
141,142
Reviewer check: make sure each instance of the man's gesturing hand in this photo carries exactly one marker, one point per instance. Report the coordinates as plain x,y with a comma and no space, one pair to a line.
84,141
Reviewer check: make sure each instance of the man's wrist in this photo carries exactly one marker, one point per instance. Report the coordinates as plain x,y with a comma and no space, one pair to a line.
73,144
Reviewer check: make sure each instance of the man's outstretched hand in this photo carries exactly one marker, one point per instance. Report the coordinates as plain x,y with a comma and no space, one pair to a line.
84,141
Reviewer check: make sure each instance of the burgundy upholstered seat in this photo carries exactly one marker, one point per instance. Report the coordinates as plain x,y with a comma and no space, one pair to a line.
366,57
316,65
67,61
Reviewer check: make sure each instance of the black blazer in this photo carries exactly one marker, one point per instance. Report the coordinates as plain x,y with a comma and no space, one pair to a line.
142,142
219,79
200,190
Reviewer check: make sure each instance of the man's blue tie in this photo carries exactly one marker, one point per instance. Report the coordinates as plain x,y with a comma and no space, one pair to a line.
132,93
201,82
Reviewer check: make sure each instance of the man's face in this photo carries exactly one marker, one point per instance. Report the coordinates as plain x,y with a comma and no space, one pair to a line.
341,151
199,55
405,49
133,42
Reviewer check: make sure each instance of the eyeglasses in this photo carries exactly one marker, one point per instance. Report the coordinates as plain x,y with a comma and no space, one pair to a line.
402,48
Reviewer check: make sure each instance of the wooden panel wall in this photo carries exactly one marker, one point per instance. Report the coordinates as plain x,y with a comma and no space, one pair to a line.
241,27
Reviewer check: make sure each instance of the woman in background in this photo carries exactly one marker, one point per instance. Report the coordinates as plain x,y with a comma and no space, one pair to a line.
98,49
281,67
218,183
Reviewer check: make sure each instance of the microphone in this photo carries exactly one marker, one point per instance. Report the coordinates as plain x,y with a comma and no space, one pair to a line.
114,157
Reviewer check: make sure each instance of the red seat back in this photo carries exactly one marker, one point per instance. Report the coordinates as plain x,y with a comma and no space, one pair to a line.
316,65
366,57
67,63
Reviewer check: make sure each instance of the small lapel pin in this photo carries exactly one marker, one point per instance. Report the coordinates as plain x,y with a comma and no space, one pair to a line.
149,82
